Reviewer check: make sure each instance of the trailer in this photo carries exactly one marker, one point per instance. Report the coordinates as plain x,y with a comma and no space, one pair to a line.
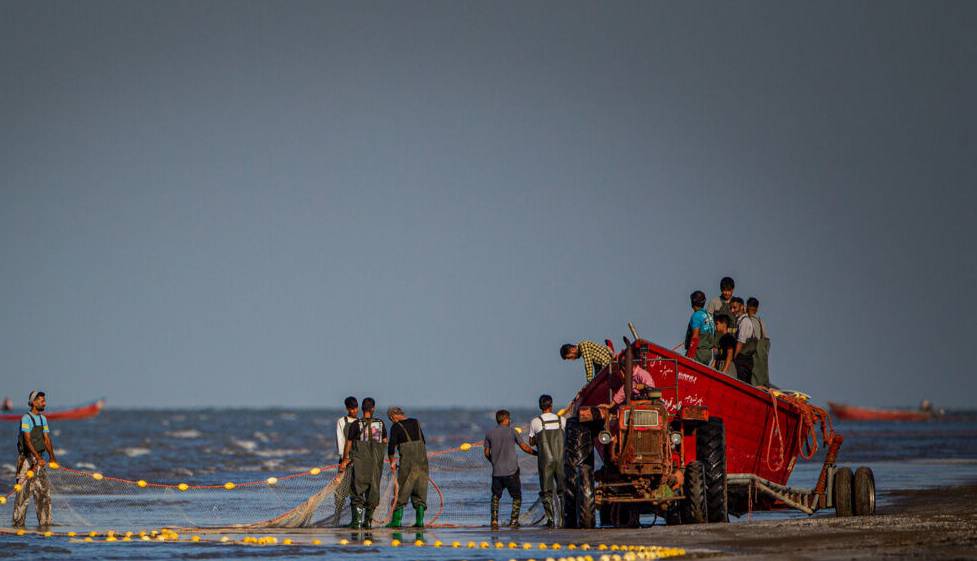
695,446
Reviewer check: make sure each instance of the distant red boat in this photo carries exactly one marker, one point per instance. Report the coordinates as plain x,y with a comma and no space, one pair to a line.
854,413
81,412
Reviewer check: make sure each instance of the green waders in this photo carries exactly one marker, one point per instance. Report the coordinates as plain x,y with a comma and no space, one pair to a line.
703,349
412,478
549,445
761,371
746,360
36,486
366,457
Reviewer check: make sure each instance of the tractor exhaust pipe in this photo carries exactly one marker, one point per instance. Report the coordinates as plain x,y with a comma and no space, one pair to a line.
628,371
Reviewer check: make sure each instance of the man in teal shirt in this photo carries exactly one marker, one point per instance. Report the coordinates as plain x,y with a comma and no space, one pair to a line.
33,440
701,331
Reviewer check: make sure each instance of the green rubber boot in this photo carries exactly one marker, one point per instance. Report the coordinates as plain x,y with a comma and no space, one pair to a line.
397,517
419,516
355,513
368,519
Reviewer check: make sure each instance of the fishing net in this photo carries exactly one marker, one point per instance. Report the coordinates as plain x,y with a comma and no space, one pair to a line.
319,497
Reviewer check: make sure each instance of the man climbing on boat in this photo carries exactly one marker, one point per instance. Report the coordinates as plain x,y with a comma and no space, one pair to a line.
595,357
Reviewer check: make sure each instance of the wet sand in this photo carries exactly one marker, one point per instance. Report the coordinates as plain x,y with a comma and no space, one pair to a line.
929,524
939,524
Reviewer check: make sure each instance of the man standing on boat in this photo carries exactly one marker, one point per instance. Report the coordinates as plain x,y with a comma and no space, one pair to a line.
746,341
33,440
761,371
595,357
721,304
365,446
407,439
546,433
701,331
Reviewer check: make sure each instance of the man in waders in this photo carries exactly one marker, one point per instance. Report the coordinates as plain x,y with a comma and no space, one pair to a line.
342,434
701,332
33,440
546,433
746,342
365,445
499,448
722,304
761,369
407,438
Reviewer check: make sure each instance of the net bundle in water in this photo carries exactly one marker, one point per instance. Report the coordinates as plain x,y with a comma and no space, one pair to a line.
458,496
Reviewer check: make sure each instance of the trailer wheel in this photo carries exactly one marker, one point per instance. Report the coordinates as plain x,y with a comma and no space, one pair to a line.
580,506
843,492
710,449
695,508
864,492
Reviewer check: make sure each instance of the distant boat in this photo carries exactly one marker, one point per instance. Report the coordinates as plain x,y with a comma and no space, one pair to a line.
855,413
81,412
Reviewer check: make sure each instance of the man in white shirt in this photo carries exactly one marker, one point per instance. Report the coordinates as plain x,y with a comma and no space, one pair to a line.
546,433
746,341
342,432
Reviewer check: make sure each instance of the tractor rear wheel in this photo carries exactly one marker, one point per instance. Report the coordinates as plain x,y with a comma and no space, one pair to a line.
580,506
843,492
695,508
710,449
864,492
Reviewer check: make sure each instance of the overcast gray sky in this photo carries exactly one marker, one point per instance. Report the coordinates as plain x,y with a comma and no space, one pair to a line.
282,203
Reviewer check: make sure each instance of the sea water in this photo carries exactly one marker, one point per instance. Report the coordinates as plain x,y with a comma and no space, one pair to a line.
212,446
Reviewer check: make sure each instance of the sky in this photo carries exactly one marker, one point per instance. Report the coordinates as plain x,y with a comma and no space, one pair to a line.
280,204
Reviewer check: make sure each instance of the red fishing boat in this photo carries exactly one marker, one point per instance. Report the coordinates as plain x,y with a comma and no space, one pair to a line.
855,413
766,432
85,411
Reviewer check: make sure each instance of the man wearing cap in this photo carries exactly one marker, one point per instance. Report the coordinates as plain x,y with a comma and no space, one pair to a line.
34,440
407,438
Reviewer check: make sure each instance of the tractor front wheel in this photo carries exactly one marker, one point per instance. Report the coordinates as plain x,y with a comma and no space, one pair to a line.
695,507
710,449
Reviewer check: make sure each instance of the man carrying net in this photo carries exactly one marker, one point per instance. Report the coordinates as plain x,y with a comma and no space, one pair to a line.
33,440
407,438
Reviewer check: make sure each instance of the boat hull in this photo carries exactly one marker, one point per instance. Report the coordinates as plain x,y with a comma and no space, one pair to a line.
83,412
853,413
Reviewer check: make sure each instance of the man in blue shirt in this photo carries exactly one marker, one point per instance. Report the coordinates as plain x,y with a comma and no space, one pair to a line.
33,440
701,331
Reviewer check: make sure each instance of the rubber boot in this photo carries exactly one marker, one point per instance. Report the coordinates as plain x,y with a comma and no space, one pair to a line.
548,509
514,518
368,519
397,517
419,516
495,513
356,514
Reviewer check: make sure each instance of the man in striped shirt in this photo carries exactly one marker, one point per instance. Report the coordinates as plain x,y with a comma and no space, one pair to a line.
595,357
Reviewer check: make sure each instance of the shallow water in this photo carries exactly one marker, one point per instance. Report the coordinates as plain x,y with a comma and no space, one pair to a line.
214,446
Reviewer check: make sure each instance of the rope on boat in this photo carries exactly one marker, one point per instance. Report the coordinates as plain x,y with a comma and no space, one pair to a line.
811,417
